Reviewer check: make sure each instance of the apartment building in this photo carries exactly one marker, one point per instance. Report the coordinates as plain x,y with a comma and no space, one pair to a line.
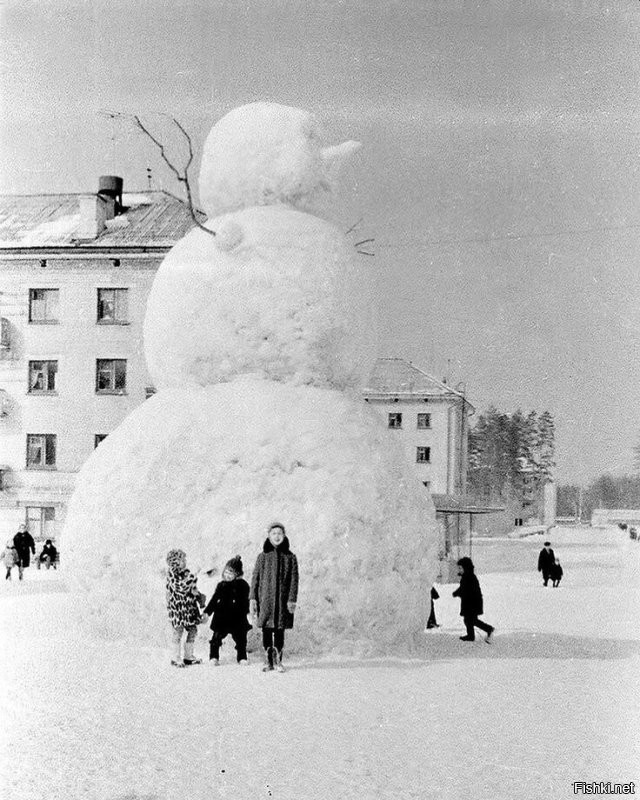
75,273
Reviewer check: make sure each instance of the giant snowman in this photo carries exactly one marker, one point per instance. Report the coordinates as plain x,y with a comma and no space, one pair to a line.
257,336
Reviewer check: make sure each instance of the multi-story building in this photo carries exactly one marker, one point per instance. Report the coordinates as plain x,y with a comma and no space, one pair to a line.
75,273
429,417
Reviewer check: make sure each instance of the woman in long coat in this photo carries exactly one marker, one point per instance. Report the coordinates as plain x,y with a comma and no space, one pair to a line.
274,593
471,605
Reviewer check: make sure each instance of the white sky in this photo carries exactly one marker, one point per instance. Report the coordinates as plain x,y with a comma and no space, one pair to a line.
499,172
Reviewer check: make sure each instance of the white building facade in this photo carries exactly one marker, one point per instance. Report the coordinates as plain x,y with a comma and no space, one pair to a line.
75,273
430,419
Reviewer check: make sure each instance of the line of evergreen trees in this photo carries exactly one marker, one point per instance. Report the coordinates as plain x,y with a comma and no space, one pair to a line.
607,491
510,455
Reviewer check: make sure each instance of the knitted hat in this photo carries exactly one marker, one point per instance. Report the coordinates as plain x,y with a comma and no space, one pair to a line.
276,525
235,564
176,558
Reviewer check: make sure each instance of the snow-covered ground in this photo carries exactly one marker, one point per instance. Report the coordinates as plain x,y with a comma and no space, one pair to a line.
554,700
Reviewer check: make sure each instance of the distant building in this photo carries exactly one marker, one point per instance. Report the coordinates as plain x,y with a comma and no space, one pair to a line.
430,419
615,516
75,273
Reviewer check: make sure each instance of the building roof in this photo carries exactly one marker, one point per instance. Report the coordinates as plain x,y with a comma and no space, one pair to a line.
461,504
148,219
397,377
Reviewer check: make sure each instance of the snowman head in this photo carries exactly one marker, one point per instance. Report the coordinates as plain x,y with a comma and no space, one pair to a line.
267,154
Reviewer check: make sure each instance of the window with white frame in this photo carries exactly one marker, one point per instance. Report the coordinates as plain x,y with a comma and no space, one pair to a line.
113,306
43,305
423,455
99,437
41,450
42,376
424,421
395,420
41,522
111,375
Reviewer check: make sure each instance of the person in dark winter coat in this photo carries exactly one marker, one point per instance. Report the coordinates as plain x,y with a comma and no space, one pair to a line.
25,545
274,593
48,555
555,573
471,604
431,622
545,560
183,604
229,606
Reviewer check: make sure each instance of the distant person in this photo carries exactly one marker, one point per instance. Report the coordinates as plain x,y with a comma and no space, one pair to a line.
10,558
471,603
633,533
274,593
48,555
555,573
229,607
26,547
546,559
183,605
431,622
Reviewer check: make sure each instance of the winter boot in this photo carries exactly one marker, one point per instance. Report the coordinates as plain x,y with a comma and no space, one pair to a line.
268,659
279,667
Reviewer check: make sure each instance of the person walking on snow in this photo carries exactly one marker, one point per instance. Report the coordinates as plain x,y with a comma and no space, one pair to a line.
471,605
229,606
555,573
26,547
274,593
183,605
546,559
10,558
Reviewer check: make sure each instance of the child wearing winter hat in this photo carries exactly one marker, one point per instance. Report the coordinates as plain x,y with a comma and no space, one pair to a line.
10,558
183,605
229,607
274,592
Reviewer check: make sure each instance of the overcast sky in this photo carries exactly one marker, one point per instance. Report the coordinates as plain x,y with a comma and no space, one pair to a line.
499,173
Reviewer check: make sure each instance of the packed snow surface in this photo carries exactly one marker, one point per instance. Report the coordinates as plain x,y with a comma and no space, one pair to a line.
553,700
266,153
321,463
275,293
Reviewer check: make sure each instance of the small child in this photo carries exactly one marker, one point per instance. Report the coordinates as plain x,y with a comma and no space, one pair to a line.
183,605
10,558
431,622
555,573
229,606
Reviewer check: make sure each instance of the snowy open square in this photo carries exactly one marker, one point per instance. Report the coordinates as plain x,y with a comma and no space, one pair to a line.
552,701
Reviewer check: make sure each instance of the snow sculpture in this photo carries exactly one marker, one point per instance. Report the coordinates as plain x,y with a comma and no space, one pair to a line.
257,339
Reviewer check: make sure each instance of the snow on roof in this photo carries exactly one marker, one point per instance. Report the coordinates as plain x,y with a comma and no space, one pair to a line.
149,219
398,376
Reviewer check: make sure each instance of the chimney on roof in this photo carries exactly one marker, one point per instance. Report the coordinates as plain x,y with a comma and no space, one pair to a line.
96,209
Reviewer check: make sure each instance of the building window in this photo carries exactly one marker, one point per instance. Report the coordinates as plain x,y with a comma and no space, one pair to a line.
113,306
518,522
41,521
423,455
43,305
42,376
41,450
395,420
426,484
149,391
99,437
111,375
424,421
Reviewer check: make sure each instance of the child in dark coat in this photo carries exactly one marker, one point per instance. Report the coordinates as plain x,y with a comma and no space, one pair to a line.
555,573
229,606
274,593
471,606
